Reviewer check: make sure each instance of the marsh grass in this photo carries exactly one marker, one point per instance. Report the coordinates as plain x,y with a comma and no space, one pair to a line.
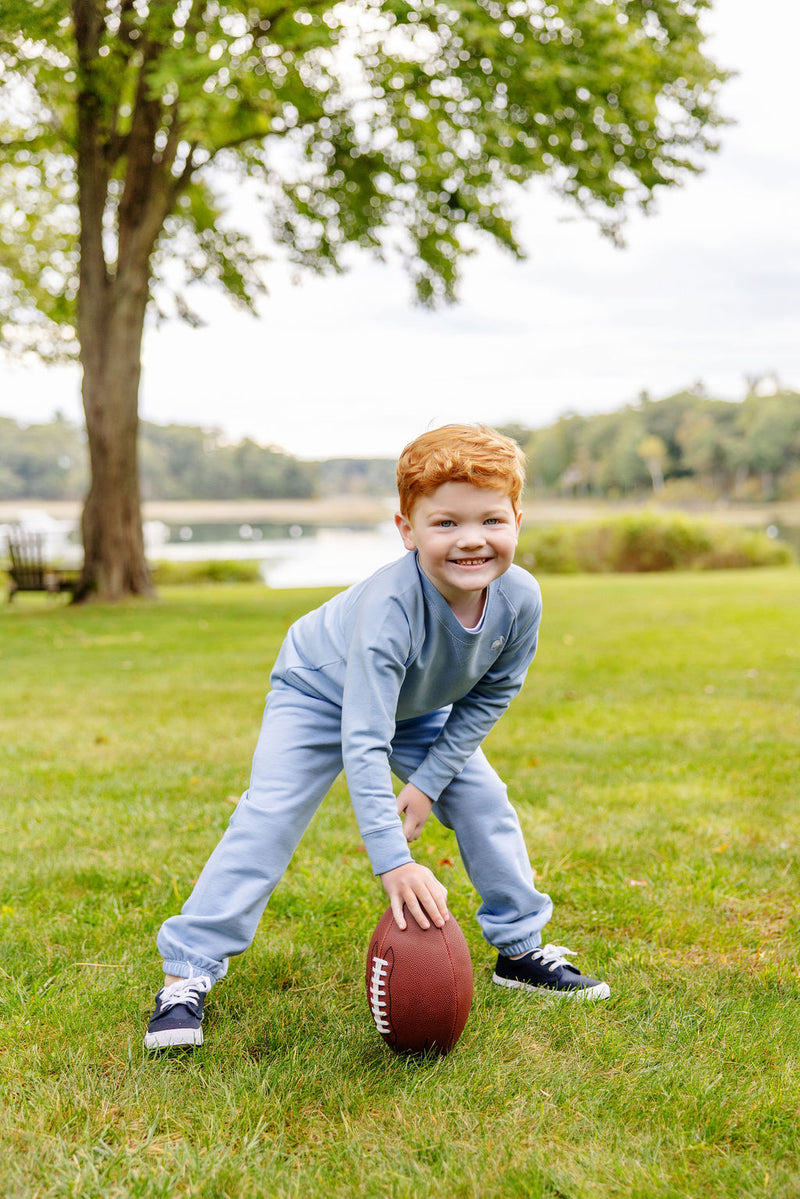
653,757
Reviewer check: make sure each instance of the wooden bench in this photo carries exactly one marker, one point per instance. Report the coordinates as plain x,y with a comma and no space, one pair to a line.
29,570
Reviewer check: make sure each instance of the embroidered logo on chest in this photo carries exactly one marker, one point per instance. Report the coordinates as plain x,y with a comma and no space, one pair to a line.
498,643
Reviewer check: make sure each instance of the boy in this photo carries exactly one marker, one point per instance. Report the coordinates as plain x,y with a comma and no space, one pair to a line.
406,672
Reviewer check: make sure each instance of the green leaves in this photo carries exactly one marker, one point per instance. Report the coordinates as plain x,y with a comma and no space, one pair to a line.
398,127
38,255
206,251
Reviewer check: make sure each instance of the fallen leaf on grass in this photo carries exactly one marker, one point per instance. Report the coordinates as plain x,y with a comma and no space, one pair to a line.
638,882
721,848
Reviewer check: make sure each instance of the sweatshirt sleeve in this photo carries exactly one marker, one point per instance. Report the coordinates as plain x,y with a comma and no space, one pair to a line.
376,666
474,716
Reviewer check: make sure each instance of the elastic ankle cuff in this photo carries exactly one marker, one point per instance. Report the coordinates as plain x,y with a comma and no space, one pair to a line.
516,947
183,969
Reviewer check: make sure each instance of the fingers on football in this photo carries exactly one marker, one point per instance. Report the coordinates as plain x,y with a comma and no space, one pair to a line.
397,911
429,902
440,899
416,909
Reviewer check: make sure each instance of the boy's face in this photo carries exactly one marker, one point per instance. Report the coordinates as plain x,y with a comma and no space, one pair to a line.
465,535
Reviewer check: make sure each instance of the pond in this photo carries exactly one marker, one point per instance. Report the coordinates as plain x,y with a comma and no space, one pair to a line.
289,555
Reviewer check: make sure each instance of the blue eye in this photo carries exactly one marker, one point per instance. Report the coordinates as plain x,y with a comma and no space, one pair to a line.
445,524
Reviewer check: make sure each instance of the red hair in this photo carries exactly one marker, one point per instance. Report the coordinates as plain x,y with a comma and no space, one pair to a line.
460,454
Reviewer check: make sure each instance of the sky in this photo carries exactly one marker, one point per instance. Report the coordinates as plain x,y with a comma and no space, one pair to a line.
707,289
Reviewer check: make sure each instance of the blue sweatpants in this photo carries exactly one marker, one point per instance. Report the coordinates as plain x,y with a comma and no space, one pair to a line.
297,758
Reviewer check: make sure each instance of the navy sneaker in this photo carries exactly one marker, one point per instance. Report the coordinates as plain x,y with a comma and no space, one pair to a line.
547,970
178,1017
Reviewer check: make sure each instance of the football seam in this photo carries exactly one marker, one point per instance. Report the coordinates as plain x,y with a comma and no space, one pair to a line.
387,1032
378,1004
457,1004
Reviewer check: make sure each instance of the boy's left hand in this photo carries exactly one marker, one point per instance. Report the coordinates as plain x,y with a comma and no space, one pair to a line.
415,806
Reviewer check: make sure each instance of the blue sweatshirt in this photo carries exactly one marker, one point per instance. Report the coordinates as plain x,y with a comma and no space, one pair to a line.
390,649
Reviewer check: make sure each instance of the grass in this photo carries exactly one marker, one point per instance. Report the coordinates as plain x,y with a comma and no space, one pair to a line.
653,757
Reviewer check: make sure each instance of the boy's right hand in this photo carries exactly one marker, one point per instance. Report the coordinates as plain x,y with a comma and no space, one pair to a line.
420,890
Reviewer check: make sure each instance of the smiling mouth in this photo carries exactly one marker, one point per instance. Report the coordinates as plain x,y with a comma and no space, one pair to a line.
469,561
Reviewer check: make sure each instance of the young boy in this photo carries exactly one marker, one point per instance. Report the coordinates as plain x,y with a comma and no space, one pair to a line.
406,672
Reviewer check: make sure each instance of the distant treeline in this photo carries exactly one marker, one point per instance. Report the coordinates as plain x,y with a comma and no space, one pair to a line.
687,446
178,462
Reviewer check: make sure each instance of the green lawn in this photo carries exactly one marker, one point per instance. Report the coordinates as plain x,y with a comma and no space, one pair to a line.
654,758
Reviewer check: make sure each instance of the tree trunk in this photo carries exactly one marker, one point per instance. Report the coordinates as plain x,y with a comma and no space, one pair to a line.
114,560
656,474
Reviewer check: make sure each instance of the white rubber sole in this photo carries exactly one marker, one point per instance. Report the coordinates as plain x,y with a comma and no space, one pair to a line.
601,991
173,1038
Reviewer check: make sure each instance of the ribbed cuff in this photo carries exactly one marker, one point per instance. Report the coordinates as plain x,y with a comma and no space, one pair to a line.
387,848
432,776
516,947
183,969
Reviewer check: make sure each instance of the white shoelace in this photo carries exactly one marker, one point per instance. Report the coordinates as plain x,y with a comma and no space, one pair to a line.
187,990
552,956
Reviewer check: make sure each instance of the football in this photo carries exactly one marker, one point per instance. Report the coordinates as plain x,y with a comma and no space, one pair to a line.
419,984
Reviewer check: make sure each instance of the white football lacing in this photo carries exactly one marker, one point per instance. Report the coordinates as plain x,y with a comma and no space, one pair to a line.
552,956
377,994
186,990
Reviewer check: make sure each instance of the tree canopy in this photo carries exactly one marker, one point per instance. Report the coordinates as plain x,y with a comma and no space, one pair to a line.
396,126
392,125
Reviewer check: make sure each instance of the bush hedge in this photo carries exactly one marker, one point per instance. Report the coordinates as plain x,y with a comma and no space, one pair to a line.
214,571
646,541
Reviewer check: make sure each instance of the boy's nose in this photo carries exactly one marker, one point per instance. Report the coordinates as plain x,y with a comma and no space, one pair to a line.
471,536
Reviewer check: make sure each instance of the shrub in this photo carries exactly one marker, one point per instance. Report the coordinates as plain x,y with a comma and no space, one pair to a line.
214,571
646,541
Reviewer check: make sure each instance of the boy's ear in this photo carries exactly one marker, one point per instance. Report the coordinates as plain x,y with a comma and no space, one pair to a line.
519,520
404,529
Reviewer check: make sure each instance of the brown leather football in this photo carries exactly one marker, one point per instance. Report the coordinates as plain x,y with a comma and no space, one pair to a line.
419,984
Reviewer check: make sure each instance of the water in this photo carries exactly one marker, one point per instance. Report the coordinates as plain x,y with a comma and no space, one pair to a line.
289,555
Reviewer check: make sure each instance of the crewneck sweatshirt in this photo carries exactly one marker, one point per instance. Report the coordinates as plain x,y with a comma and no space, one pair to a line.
390,649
